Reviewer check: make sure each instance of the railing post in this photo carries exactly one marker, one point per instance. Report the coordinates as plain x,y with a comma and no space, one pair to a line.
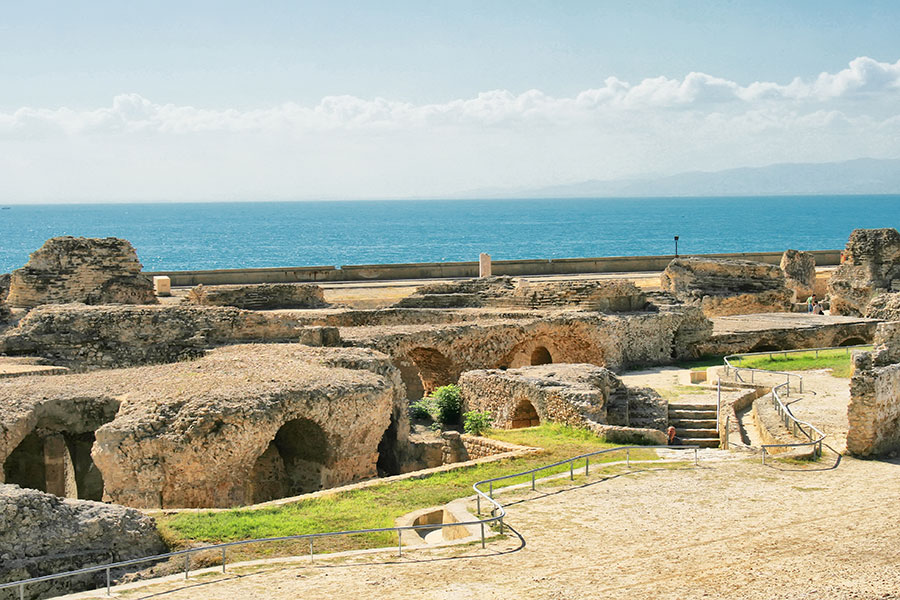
478,504
187,564
399,542
587,465
311,549
482,535
763,456
696,458
627,458
108,592
501,525
21,591
571,470
801,384
532,481
223,559
491,488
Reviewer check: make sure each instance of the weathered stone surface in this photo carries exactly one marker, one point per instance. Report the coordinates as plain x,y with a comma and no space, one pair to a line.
41,534
799,270
263,296
580,395
507,292
874,409
4,286
89,270
113,336
243,424
727,287
885,307
871,266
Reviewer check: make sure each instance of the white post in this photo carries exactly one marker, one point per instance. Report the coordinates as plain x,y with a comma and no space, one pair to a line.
484,265
162,285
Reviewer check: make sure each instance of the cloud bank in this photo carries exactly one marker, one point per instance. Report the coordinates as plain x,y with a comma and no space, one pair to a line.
346,146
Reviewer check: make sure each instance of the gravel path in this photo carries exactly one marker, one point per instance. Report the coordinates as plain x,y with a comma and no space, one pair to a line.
731,529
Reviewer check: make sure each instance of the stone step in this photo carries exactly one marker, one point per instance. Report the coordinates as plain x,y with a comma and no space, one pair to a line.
692,423
692,406
702,442
696,433
690,415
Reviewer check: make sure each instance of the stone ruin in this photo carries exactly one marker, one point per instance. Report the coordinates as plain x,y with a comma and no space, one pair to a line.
263,296
871,266
42,534
92,271
580,395
243,424
874,410
799,270
508,292
724,287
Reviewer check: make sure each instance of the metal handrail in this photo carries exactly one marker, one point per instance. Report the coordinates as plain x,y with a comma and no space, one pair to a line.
795,425
497,513
737,369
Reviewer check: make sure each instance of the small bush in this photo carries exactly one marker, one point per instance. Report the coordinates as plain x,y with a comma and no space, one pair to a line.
448,401
477,422
422,409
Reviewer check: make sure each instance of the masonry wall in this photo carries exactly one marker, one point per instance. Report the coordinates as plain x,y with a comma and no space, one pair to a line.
874,410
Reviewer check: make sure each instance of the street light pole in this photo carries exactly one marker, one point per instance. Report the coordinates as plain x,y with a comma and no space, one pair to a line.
676,246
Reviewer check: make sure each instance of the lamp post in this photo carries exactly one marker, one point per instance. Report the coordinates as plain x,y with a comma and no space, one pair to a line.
676,246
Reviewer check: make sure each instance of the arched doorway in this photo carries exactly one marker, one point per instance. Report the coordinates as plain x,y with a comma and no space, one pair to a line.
853,341
435,369
541,356
524,415
56,462
388,454
292,464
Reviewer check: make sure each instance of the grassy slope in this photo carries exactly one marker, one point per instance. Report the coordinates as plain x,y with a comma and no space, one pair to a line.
839,361
377,506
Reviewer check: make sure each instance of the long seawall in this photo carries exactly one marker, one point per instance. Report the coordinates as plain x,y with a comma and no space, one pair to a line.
559,266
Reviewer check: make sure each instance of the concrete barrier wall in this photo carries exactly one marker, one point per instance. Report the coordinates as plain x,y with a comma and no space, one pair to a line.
559,266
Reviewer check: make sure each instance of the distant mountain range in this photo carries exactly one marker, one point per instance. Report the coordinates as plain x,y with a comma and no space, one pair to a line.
860,176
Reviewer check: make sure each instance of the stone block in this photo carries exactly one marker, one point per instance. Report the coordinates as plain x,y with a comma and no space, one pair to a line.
484,265
162,285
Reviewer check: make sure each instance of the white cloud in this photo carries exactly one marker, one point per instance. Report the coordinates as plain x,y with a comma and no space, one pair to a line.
350,146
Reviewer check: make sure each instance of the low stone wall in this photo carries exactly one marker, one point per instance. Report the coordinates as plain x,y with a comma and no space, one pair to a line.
265,296
480,447
41,534
874,410
773,431
729,423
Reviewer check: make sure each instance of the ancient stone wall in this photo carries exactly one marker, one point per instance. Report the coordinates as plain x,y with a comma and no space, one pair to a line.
41,534
871,266
727,287
799,270
579,395
885,307
874,410
113,336
263,296
89,270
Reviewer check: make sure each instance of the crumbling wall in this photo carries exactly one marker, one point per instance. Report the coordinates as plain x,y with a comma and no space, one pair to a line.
41,534
89,270
874,409
871,266
885,307
263,296
799,270
727,287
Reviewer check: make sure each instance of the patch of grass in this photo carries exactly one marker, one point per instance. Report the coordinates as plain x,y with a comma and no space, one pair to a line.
380,505
673,392
838,360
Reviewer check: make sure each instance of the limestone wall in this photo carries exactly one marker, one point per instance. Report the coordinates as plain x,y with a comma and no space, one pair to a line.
874,410
41,534
89,270
264,296
871,267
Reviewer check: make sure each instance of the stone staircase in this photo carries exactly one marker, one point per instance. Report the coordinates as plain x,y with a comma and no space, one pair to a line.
695,424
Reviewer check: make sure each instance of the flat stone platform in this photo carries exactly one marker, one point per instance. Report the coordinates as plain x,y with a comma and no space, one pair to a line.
776,321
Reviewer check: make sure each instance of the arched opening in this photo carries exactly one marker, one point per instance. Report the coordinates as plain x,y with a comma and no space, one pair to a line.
853,341
57,463
435,369
524,415
388,456
292,463
541,356
765,347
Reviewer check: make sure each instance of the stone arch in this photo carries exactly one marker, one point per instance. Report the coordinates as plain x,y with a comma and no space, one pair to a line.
853,341
56,462
523,415
25,465
765,347
541,356
293,462
434,368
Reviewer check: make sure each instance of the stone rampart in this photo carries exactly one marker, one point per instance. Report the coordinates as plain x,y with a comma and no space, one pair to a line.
874,410
88,270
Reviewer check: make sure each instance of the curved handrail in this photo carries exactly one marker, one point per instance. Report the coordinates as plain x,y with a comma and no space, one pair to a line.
737,369
795,425
497,513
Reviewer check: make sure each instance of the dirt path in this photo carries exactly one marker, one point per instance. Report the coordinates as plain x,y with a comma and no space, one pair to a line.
732,529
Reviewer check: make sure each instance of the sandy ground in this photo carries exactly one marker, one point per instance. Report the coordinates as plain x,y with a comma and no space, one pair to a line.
731,529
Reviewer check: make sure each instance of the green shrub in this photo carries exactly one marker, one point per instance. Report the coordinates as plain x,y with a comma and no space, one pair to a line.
423,409
477,422
448,401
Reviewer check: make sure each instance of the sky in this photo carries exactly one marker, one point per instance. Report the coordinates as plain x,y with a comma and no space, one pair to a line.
167,101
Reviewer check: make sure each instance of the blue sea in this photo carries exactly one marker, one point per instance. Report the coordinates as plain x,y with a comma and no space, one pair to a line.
276,234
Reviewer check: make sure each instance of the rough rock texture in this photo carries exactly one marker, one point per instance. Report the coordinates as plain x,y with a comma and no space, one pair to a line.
871,266
799,270
885,307
727,287
429,356
874,410
42,534
89,270
263,296
4,286
507,292
580,395
111,336
243,424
